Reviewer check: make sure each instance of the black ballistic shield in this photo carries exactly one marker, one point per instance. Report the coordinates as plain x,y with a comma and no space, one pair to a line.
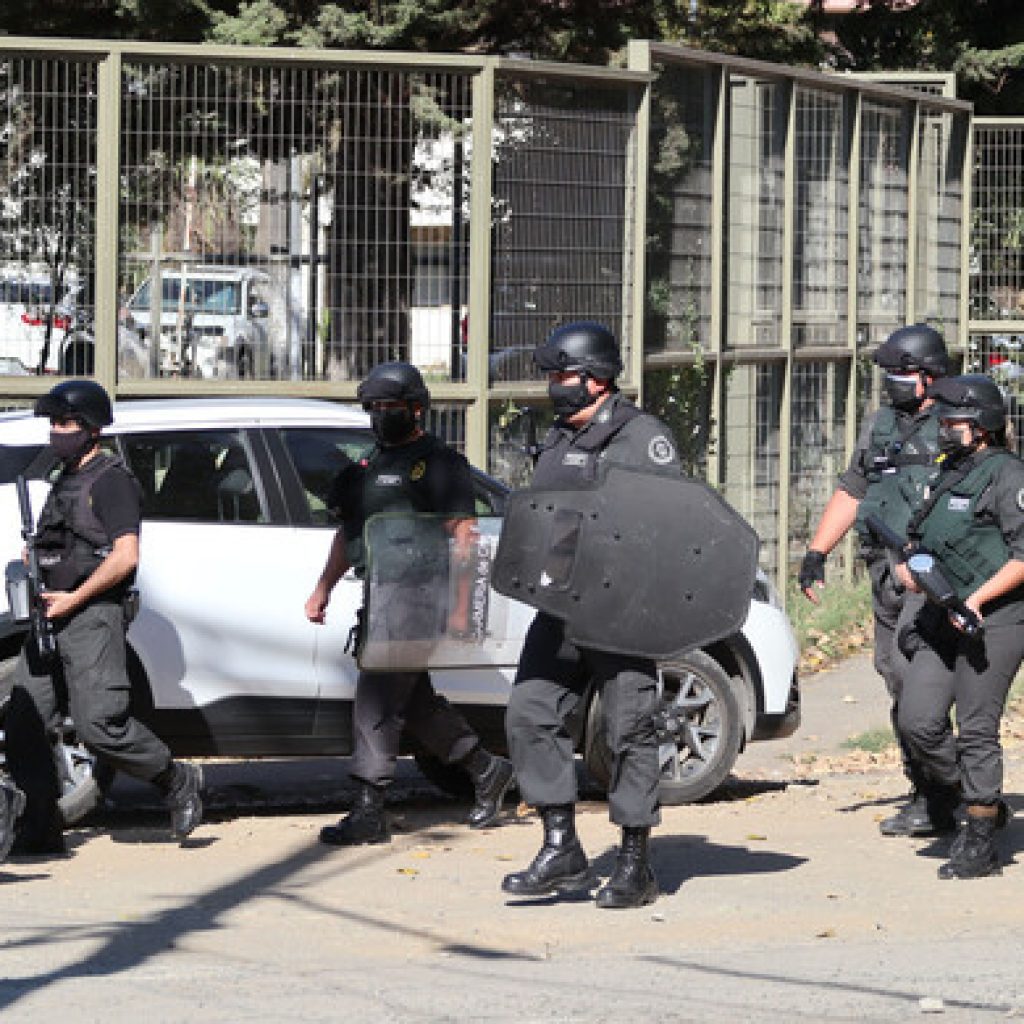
639,564
429,602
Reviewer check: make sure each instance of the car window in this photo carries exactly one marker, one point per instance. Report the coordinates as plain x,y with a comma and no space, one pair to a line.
33,462
319,454
197,475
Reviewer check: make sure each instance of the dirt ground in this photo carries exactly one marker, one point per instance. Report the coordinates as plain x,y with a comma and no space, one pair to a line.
781,903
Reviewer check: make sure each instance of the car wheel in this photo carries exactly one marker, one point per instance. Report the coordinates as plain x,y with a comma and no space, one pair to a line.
84,782
449,778
700,730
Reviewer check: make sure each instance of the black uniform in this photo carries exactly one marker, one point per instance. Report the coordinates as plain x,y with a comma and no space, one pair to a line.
426,477
553,674
974,523
87,510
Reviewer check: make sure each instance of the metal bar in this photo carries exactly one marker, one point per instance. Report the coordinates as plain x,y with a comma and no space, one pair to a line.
108,187
638,59
719,192
913,129
479,304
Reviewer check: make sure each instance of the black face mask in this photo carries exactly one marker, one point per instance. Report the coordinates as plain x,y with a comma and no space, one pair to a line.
392,426
902,391
71,446
952,446
569,399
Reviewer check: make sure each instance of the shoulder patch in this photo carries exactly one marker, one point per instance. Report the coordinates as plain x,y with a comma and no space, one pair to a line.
660,450
418,470
1020,499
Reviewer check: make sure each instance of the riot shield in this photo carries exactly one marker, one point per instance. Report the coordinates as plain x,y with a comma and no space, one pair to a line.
429,603
640,564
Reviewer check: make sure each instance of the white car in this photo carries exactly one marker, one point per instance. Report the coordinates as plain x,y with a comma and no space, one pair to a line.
222,659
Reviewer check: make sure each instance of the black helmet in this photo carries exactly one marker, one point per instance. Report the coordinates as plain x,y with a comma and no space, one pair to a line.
917,347
974,397
583,345
77,399
393,382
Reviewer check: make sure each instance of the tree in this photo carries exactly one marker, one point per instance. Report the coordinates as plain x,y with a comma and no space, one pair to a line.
982,41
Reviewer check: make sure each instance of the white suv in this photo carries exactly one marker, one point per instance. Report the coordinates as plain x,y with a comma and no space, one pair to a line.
218,328
235,533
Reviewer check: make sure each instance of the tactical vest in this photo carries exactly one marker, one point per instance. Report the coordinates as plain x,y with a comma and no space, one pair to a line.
412,541
566,463
970,549
70,539
903,470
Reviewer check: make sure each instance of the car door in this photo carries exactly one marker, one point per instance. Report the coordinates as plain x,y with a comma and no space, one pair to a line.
221,627
315,455
310,458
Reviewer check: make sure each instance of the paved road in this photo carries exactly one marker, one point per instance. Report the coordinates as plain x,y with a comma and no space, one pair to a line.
781,903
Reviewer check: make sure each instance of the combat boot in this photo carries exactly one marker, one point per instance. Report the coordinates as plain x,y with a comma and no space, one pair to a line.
974,853
928,813
632,883
492,776
184,798
365,824
560,864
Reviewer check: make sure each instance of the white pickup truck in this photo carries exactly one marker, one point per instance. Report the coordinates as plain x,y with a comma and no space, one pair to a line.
213,322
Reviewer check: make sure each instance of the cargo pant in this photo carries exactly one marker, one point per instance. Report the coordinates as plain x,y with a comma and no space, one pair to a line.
552,679
92,652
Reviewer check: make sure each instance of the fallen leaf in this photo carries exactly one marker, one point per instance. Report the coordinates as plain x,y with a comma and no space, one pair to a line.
408,871
827,933
755,835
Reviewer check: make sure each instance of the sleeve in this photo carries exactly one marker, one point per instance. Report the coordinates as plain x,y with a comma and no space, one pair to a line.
450,484
854,479
117,503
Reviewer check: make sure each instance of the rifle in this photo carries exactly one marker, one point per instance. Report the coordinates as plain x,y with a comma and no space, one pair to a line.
927,573
41,626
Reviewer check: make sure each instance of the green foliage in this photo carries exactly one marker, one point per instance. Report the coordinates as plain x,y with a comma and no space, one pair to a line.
680,396
843,608
873,741
979,40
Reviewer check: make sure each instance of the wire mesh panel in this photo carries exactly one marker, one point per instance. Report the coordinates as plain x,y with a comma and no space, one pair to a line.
678,260
817,444
940,194
820,219
756,143
882,238
447,420
563,186
296,221
47,214
997,227
750,433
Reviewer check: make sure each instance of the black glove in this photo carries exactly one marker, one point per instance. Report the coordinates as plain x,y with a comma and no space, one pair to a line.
812,570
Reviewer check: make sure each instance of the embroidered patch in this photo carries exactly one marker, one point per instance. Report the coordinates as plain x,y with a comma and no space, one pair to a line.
389,480
661,451
574,459
418,470
958,503
1020,499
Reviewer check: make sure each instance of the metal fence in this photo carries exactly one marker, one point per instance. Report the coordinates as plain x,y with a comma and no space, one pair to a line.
794,220
199,220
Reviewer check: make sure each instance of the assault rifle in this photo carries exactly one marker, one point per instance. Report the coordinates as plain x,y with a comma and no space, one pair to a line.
927,573
41,626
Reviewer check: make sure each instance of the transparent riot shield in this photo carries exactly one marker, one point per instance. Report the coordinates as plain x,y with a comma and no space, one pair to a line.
429,602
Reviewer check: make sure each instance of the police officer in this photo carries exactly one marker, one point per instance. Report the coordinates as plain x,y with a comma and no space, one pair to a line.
595,425
12,803
410,472
973,522
888,475
87,539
